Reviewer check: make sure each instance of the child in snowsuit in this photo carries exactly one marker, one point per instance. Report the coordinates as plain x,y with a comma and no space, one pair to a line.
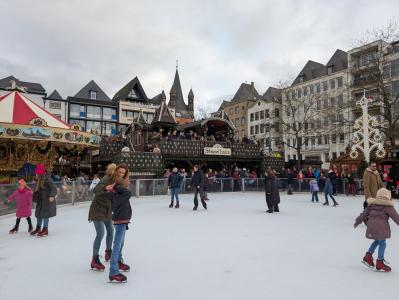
376,216
314,189
23,196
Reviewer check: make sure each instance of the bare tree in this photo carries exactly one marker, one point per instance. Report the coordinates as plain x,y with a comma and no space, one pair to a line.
202,112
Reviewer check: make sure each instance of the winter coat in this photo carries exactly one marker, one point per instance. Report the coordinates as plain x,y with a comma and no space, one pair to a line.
376,216
314,187
372,183
100,208
45,208
175,180
120,203
328,187
198,179
93,184
271,190
24,202
316,174
290,178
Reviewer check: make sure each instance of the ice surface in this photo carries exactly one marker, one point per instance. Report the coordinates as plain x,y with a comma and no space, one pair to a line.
232,251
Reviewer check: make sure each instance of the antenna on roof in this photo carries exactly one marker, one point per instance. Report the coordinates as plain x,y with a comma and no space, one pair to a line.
177,64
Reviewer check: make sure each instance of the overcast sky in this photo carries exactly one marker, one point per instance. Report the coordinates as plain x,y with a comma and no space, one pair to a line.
63,44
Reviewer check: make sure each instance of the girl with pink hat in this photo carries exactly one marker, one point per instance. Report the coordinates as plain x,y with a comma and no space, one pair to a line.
23,197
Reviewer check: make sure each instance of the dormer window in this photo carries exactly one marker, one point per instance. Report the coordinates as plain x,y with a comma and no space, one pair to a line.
329,70
132,94
301,78
93,95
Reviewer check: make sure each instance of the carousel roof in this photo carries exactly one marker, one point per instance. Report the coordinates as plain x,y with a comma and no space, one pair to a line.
16,108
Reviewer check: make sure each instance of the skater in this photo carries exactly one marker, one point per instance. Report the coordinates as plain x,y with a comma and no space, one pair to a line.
100,214
174,183
23,196
372,182
290,181
197,183
272,193
44,195
121,215
328,190
376,216
314,189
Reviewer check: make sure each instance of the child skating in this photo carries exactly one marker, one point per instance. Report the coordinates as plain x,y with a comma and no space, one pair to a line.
376,216
23,196
314,189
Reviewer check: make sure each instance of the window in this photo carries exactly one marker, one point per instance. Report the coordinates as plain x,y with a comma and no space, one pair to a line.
306,141
339,82
237,122
243,108
292,94
318,124
332,102
242,121
340,118
306,125
318,104
252,129
341,138
262,128
148,117
277,127
77,111
332,84
299,92
256,129
93,95
312,140
325,103
327,157
94,112
236,110
276,112
317,87
132,94
262,114
231,111
326,139
242,132
127,113
267,114
109,128
94,127
252,116
311,89
325,86
55,105
334,155
334,138
340,100
301,78
256,116
288,111
109,113
329,70
305,90
325,121
319,140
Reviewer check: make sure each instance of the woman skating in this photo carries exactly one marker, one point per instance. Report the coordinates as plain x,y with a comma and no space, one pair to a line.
272,193
328,191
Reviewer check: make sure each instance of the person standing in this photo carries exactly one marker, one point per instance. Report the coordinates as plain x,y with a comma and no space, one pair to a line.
100,214
197,183
272,193
372,182
174,184
23,196
314,189
121,214
290,181
351,184
328,191
44,195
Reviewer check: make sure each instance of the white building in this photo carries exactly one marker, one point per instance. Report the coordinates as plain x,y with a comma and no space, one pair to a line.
58,106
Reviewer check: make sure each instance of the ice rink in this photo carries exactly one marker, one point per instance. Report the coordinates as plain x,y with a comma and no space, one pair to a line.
234,250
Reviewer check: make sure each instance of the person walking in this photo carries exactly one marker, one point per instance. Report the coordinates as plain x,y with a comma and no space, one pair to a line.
197,183
23,197
272,193
314,189
174,184
372,182
328,191
376,216
44,195
100,213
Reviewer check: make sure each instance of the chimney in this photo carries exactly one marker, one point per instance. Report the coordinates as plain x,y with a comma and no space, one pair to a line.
252,83
13,85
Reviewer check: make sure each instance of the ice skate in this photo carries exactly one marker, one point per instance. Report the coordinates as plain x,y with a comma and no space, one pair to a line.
177,205
171,205
123,267
368,260
14,230
30,228
96,265
36,231
43,232
118,278
382,267
107,255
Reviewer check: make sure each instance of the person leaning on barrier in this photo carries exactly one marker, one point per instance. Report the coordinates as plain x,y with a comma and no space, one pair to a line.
372,182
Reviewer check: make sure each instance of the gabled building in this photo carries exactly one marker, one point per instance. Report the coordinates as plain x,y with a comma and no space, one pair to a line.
35,91
57,105
93,110
184,113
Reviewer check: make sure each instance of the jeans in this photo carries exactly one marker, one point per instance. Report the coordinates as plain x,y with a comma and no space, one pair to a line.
116,257
329,194
99,226
42,220
315,197
174,192
381,250
199,191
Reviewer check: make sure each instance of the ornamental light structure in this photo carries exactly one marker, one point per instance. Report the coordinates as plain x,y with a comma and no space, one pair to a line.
367,137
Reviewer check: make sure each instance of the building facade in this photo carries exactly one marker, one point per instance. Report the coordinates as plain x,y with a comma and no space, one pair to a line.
58,106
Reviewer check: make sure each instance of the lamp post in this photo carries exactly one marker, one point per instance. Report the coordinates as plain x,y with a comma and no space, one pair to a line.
367,137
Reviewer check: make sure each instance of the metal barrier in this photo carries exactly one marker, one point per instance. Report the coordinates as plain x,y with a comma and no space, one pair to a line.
74,192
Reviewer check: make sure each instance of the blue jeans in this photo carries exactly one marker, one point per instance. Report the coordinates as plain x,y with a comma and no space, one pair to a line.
99,226
381,249
332,197
116,256
174,192
315,197
42,220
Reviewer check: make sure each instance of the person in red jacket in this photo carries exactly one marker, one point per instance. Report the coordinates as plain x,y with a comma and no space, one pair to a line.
23,196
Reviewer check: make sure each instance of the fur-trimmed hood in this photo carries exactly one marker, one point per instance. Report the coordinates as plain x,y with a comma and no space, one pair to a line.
380,201
373,172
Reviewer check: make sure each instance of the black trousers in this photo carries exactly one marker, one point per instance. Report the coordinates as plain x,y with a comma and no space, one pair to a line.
199,191
271,206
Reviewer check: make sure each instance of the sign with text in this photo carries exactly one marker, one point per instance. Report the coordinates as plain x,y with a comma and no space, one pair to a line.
217,150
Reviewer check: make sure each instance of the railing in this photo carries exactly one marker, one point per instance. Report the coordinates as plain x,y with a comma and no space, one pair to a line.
140,161
73,193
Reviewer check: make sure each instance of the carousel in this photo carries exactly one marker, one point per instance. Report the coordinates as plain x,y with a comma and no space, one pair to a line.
30,135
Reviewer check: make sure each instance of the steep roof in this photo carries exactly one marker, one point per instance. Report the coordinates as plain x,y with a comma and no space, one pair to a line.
84,93
224,103
191,93
246,92
31,87
158,98
272,93
176,89
339,61
310,71
132,91
164,115
55,96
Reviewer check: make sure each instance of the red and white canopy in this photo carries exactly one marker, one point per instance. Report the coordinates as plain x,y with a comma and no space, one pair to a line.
16,108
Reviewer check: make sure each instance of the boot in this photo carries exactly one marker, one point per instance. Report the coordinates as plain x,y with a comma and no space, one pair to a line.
118,278
43,232
177,205
270,211
107,255
123,267
14,230
30,228
36,231
326,203
96,264
368,260
335,204
382,267
195,208
171,205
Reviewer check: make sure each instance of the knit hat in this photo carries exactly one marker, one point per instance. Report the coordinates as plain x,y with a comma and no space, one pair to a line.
40,170
383,193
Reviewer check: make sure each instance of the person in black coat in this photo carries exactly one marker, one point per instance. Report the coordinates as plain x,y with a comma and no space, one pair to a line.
197,182
272,193
174,184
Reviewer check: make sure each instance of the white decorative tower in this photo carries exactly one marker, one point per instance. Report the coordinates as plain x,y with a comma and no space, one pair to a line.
367,137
